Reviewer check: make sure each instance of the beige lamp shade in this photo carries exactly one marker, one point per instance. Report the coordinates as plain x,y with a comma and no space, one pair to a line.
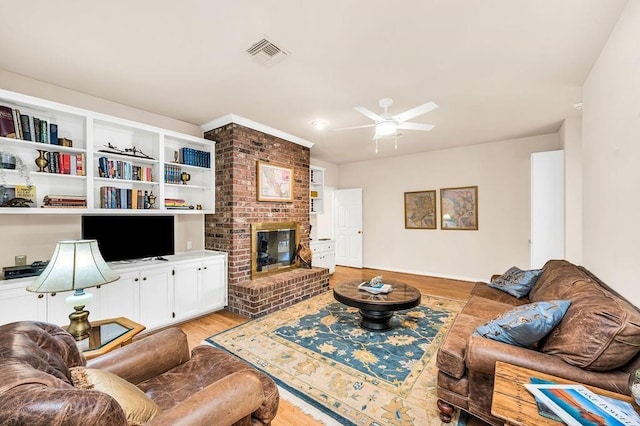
75,264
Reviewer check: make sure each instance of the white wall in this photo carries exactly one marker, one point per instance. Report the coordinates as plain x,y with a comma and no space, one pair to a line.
501,170
29,86
611,159
36,235
570,137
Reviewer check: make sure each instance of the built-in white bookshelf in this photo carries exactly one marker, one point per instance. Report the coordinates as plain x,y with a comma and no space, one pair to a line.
316,189
107,161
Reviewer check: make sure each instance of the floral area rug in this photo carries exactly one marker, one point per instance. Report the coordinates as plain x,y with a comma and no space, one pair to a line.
317,352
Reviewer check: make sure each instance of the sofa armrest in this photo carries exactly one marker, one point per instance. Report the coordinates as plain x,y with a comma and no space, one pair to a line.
147,357
224,402
482,354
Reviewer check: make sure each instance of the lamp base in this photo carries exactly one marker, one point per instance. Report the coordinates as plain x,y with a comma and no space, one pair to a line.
79,326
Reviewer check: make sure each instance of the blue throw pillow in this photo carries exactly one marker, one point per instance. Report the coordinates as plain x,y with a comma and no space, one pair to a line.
526,324
516,282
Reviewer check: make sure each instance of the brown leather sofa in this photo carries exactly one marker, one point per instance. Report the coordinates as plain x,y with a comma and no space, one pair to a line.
596,343
208,386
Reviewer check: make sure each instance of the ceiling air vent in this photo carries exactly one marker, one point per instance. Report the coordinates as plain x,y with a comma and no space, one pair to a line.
266,52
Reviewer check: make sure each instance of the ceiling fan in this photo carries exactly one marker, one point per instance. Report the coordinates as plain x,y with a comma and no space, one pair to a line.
386,124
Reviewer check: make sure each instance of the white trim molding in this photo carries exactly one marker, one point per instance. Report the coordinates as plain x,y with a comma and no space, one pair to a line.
234,118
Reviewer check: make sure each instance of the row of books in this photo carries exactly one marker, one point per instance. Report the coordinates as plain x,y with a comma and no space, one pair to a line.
116,169
194,157
66,164
64,201
172,173
122,198
14,124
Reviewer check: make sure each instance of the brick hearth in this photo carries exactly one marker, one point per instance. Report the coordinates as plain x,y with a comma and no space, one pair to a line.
269,294
238,149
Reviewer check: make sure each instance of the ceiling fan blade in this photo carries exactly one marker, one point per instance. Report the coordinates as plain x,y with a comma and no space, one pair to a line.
355,127
415,126
371,115
414,112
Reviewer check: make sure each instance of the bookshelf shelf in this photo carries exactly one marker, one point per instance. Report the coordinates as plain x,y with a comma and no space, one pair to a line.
122,157
116,182
45,175
186,187
83,138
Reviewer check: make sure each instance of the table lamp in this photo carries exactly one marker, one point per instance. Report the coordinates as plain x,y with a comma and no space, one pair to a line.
75,265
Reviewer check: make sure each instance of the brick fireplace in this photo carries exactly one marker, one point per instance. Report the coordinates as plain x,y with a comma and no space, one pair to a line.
238,149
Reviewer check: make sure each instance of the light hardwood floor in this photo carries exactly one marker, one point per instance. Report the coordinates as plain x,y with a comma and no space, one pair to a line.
288,415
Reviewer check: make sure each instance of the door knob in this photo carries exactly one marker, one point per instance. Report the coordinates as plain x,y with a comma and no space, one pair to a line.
359,232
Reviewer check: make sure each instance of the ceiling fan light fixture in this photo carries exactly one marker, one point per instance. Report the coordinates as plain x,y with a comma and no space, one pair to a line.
385,128
319,124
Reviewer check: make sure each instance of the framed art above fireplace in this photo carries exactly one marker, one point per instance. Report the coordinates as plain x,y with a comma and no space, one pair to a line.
275,183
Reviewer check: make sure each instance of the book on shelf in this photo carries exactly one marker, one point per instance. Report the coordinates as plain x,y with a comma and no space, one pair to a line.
36,129
64,201
576,405
7,125
26,127
53,134
175,203
18,123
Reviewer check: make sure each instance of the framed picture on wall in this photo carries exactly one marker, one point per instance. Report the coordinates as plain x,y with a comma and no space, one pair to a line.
459,208
420,210
275,183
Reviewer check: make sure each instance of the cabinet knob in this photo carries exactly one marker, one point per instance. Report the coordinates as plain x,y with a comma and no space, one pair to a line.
53,294
144,278
98,286
135,279
199,269
40,296
204,267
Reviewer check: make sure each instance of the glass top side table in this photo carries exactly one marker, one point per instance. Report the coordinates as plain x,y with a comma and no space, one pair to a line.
107,335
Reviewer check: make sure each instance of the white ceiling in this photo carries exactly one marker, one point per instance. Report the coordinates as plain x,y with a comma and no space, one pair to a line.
499,69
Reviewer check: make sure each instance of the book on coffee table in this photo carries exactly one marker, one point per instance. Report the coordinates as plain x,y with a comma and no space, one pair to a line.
375,288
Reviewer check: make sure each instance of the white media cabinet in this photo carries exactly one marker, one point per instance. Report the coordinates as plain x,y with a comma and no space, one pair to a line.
154,293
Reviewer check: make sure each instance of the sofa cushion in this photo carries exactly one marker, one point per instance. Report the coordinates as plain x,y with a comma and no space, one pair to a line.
516,282
600,331
452,352
486,292
170,388
524,325
137,406
557,276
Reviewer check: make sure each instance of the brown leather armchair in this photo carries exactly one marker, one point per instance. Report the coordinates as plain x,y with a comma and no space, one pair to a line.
208,387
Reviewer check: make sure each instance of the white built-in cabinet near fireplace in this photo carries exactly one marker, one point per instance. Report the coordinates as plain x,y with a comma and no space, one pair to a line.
142,157
154,293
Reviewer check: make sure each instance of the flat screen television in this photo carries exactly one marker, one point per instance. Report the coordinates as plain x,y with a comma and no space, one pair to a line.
122,237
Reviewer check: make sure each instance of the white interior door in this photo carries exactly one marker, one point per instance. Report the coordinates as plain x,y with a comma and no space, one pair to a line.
547,207
348,227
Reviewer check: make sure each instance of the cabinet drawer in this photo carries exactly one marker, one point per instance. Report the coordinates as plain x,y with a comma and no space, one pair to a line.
320,246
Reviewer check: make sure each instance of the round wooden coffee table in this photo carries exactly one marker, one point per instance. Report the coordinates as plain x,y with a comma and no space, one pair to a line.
376,310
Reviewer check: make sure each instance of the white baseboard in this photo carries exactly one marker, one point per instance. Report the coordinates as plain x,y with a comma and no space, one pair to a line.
427,273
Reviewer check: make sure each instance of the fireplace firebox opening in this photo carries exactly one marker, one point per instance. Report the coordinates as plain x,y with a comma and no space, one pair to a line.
273,247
